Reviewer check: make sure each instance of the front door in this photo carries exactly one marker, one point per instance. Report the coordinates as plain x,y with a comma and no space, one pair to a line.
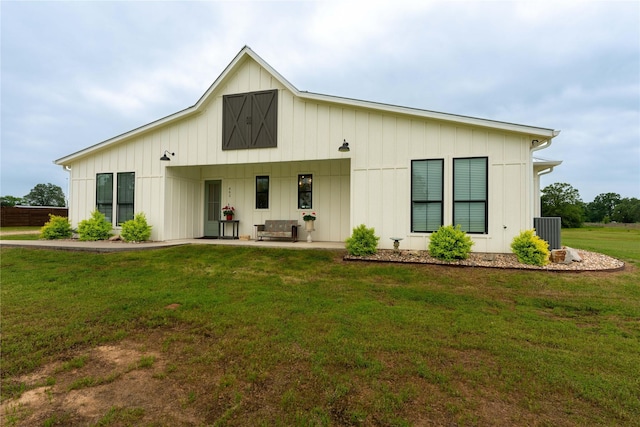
212,207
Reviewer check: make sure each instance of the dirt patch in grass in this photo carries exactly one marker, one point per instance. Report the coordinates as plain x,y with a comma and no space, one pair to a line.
107,385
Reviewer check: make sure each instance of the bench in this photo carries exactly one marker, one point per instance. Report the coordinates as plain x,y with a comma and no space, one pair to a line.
278,228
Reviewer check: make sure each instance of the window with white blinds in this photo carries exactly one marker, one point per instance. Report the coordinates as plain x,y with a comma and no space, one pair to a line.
470,194
426,194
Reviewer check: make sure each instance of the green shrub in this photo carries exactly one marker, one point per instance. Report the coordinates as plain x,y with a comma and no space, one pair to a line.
450,244
530,249
136,229
58,227
363,241
95,228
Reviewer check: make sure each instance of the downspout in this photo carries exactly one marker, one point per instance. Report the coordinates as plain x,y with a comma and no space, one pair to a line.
536,146
535,201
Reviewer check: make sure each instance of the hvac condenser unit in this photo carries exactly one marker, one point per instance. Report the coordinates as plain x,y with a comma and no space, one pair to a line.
548,228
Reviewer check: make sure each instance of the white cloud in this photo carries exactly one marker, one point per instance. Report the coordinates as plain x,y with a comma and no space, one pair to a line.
75,73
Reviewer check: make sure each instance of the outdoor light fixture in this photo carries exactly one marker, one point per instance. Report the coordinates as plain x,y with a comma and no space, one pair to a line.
166,158
344,148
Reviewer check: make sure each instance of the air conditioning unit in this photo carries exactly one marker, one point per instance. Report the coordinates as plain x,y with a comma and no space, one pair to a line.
548,228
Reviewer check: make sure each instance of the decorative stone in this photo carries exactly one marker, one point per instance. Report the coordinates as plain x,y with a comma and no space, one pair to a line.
572,256
489,257
565,256
115,238
558,256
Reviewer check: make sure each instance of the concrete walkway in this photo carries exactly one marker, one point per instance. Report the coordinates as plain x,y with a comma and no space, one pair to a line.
106,246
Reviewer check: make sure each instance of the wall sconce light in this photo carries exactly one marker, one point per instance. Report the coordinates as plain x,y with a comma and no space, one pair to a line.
344,148
166,158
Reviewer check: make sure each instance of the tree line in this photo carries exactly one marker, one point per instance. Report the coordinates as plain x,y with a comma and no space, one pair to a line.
561,199
40,195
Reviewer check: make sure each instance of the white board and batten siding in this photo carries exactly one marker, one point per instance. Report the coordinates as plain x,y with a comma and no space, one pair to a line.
382,166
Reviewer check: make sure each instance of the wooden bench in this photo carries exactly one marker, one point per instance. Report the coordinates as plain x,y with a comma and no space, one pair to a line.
278,229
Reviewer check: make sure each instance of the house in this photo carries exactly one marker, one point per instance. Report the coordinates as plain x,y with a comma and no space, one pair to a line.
273,152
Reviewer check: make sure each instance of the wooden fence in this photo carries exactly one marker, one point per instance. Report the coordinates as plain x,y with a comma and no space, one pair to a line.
32,216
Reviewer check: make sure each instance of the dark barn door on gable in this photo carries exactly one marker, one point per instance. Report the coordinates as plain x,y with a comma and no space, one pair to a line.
250,120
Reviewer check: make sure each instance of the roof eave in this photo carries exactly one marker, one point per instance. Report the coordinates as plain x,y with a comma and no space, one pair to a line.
473,121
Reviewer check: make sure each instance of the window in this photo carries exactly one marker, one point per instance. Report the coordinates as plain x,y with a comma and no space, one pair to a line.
262,192
426,195
125,189
470,194
250,120
104,195
305,191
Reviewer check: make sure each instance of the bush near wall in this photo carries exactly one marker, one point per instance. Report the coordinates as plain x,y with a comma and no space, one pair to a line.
29,216
95,228
58,227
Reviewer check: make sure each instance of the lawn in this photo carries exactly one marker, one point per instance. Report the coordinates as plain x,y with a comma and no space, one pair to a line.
254,336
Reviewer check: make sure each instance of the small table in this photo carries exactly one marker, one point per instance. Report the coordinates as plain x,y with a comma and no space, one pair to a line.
235,229
396,243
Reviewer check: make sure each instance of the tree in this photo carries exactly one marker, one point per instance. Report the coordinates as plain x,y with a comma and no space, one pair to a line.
10,201
561,199
627,211
602,207
45,195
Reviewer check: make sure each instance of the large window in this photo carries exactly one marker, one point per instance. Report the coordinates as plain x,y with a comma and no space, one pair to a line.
305,193
124,196
426,195
126,190
262,192
104,195
470,194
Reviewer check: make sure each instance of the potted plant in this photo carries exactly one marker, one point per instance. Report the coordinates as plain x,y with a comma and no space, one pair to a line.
228,211
309,219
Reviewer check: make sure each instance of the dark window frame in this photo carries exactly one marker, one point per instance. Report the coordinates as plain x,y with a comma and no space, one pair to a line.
104,204
115,202
125,197
262,196
416,200
305,191
471,201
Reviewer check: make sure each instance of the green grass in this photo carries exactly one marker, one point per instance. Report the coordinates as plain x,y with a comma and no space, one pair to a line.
28,233
621,242
298,337
21,228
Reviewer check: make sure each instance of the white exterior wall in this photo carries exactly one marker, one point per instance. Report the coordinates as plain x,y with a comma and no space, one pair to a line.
139,156
369,185
382,152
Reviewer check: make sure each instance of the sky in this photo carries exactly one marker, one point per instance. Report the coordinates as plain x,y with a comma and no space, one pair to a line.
76,73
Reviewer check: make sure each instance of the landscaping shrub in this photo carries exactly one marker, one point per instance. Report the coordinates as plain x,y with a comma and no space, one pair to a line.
530,249
136,229
450,244
95,228
58,227
363,241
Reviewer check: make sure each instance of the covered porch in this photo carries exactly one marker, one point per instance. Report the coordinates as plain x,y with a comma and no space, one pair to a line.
195,195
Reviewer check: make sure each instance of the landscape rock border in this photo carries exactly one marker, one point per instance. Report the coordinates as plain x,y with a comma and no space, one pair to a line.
591,261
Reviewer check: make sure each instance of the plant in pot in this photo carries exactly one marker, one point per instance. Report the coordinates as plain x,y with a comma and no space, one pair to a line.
228,211
309,219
